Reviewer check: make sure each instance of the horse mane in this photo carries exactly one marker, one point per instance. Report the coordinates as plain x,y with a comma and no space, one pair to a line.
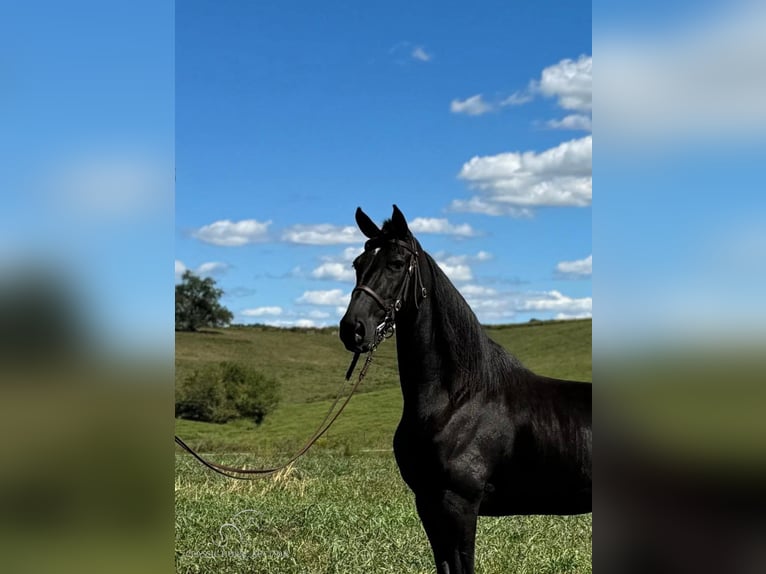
478,364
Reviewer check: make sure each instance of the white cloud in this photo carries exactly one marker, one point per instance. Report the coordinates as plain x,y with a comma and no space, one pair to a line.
518,98
473,106
204,270
419,53
338,267
571,158
580,267
480,257
477,291
440,226
483,256
262,312
278,317
565,316
560,176
571,81
457,267
333,297
405,52
286,323
228,233
555,301
491,305
479,205
334,271
211,268
456,271
571,122
322,234
514,183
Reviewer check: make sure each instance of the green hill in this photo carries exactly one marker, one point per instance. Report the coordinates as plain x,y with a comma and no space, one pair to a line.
311,363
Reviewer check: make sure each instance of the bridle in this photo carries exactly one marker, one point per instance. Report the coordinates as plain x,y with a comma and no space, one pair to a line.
413,275
387,328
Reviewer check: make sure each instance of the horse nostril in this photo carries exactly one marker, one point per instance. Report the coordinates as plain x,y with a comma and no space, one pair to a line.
359,332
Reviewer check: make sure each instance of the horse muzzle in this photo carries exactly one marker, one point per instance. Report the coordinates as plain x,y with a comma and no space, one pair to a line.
357,335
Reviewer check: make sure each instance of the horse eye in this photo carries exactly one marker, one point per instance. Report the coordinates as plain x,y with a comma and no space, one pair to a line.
396,264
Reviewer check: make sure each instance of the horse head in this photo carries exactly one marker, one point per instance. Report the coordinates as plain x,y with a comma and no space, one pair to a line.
384,271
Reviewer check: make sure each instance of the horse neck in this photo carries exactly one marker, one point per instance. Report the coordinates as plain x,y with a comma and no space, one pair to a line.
429,341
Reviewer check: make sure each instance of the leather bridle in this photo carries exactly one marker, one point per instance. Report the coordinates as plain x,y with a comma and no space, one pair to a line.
412,275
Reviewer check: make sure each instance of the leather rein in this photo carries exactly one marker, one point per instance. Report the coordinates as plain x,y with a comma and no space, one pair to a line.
383,331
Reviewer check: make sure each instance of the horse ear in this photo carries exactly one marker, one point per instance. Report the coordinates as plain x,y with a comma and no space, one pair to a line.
399,223
366,225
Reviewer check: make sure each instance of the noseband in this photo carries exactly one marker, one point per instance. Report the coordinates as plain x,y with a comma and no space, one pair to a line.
413,272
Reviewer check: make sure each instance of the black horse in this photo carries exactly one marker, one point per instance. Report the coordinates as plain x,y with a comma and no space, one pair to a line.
480,434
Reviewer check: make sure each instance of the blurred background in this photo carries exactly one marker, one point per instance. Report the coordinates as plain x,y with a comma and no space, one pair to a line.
679,230
86,286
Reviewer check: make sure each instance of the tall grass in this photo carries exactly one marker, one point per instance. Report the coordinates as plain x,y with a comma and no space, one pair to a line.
346,515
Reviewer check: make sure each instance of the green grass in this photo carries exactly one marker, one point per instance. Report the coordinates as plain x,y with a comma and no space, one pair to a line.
368,421
343,507
346,514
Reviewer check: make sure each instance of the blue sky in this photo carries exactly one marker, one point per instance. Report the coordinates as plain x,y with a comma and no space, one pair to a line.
289,115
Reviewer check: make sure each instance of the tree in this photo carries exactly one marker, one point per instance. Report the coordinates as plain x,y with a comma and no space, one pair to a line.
197,304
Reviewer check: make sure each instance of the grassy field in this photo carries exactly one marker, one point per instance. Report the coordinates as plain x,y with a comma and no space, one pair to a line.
343,508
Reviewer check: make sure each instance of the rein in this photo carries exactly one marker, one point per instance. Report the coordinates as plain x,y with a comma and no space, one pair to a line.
384,331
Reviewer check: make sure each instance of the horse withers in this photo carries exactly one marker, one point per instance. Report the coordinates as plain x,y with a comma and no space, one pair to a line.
480,434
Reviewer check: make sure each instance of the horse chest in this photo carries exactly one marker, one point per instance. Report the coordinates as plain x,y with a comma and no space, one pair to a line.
415,458
427,460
